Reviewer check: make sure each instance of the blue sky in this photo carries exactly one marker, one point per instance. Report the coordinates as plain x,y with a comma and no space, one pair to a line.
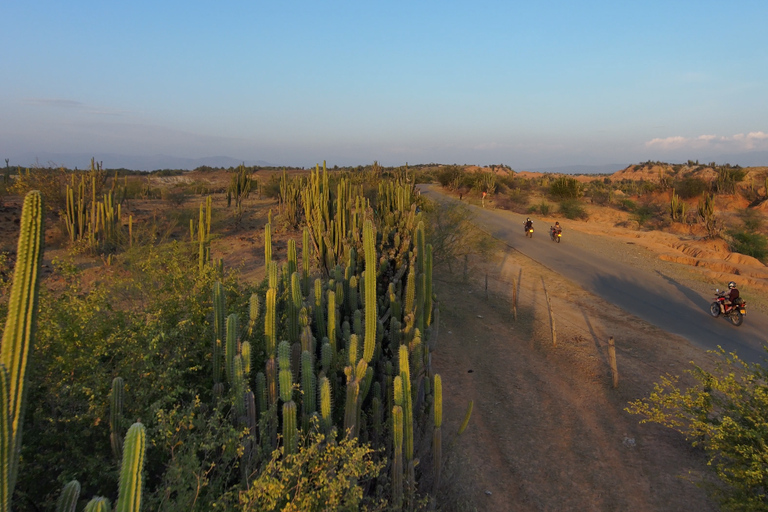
528,84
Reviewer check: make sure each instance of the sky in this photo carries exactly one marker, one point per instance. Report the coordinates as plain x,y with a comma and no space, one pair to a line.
530,84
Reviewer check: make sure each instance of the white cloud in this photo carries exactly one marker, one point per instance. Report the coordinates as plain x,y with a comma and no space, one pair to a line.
736,142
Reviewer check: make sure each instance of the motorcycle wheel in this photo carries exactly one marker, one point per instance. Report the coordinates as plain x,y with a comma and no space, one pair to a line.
557,239
714,309
736,318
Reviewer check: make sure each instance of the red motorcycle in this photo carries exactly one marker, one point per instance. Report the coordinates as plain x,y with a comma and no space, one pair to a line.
555,234
734,312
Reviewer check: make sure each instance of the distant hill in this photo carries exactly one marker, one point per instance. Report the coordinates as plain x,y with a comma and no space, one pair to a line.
579,169
137,163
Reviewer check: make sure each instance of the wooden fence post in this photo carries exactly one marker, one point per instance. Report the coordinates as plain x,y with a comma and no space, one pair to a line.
551,316
612,360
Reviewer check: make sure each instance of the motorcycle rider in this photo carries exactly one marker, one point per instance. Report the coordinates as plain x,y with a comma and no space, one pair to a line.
554,230
528,224
730,297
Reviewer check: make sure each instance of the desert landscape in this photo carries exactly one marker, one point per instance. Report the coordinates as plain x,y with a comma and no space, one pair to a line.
548,428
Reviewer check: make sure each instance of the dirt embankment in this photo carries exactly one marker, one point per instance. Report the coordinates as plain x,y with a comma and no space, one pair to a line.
548,431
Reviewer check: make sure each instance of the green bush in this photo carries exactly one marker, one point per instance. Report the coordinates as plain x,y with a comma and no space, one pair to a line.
750,244
645,213
627,205
691,187
572,209
565,187
726,413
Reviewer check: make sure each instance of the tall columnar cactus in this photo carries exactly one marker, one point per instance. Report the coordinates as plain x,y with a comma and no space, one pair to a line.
272,377
262,398
68,498
116,416
351,404
239,385
352,349
219,329
352,301
437,438
326,405
371,315
270,322
405,376
332,319
290,431
318,310
305,252
247,355
129,493
233,327
98,504
293,257
294,306
421,285
18,338
397,457
410,291
308,386
273,274
420,253
267,243
254,306
286,376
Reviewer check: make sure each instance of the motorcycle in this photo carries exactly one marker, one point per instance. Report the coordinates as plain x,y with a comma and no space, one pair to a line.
528,231
555,234
734,312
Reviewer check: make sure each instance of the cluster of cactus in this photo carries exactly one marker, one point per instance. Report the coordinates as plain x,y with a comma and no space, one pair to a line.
678,208
706,211
239,189
96,221
202,235
362,333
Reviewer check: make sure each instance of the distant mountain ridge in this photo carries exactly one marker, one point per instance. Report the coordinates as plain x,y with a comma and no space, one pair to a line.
136,163
579,169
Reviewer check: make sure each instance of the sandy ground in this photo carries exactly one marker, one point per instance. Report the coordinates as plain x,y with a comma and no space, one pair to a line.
548,431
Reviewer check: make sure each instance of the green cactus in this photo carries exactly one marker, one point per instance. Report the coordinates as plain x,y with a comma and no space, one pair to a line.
318,310
230,353
267,243
293,258
116,417
68,498
239,385
290,432
294,306
420,253
18,338
371,314
305,253
246,354
262,397
326,356
397,458
332,319
286,385
326,405
253,312
357,323
270,322
272,378
129,492
98,504
352,301
308,386
351,404
352,349
273,274
219,332
410,291
405,376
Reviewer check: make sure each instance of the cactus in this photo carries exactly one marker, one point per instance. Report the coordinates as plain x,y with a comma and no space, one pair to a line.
286,385
437,440
352,350
397,458
352,300
405,376
318,310
332,319
357,323
326,404
68,499
294,306
289,427
270,322
268,243
371,315
351,404
305,252
246,354
129,492
253,312
239,385
233,324
410,291
98,504
18,338
116,416
308,386
706,210
262,398
293,259
271,370
219,333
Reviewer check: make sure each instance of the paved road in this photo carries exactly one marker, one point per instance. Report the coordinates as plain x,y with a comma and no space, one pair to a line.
656,298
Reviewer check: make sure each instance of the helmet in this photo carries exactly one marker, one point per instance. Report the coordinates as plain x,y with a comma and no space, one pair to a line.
731,285
557,223
527,219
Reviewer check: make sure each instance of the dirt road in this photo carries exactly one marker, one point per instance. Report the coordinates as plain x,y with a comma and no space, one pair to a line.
655,297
